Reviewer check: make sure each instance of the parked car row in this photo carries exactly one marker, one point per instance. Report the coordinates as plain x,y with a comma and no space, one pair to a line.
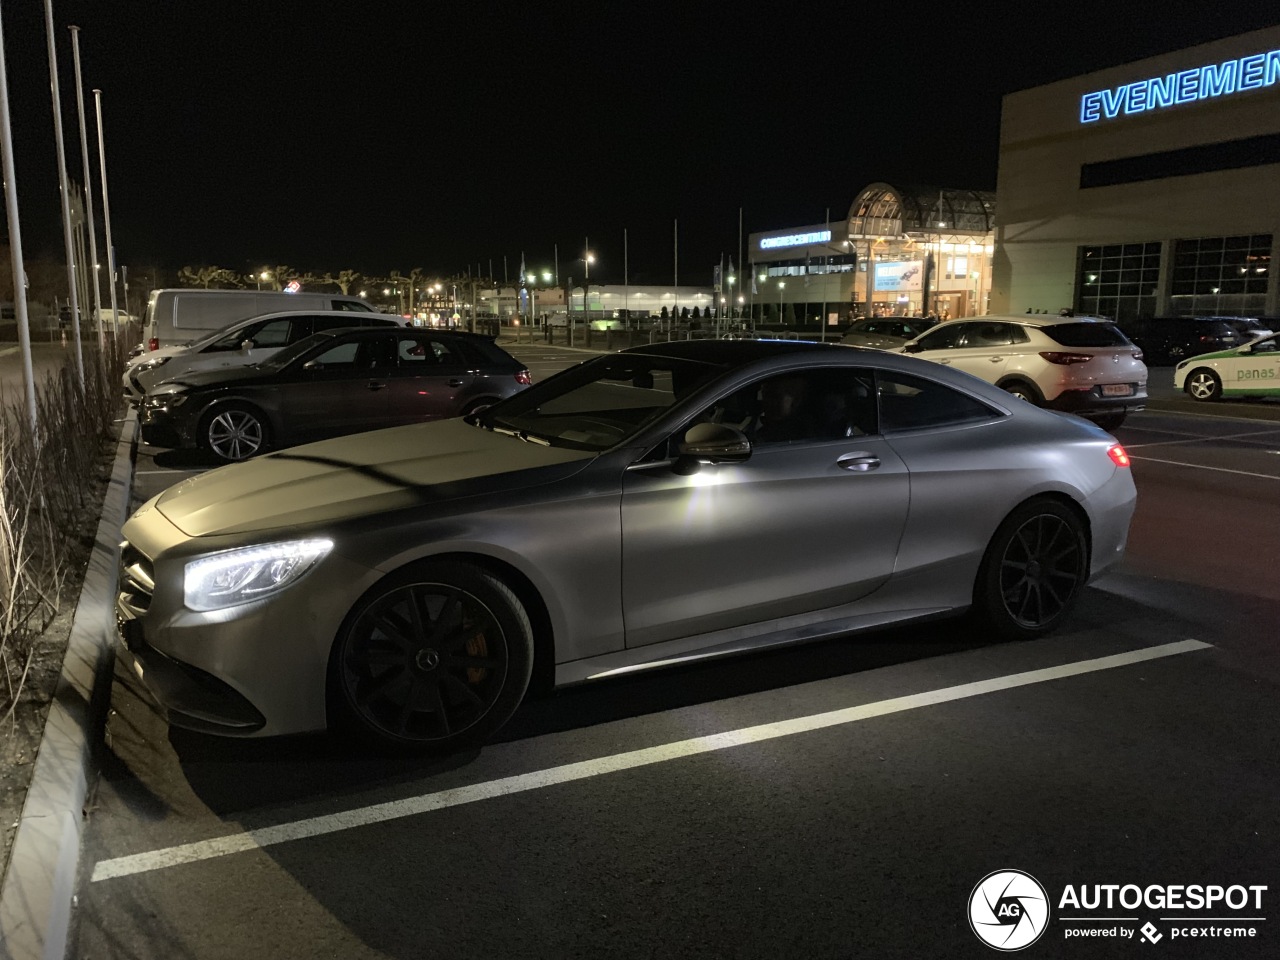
285,378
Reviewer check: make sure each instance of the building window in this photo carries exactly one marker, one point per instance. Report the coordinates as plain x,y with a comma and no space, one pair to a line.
1118,280
1221,275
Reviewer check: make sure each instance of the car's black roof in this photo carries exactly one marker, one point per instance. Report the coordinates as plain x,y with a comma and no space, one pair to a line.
733,351
379,330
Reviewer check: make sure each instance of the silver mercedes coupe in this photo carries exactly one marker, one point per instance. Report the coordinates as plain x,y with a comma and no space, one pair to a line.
641,509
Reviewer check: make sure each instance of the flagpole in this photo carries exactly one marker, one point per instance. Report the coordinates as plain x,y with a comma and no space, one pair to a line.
65,191
106,215
91,271
675,255
739,247
626,284
822,318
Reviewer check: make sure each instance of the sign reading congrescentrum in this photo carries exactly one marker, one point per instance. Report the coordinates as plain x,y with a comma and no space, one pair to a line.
795,239
1186,86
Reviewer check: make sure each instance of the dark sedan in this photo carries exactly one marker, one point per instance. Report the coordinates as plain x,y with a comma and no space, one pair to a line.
332,383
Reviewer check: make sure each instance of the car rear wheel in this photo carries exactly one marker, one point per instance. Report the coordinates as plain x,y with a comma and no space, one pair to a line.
235,432
1203,384
436,657
1033,570
1023,390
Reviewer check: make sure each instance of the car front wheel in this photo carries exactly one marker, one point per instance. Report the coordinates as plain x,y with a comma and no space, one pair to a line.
1203,384
1033,570
235,432
436,657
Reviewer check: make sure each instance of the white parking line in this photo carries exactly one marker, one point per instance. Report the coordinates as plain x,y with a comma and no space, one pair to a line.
1197,438
1197,466
412,806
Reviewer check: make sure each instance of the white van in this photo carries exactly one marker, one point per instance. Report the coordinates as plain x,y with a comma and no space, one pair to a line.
179,316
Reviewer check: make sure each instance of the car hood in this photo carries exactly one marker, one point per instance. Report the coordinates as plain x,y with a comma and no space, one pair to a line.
419,465
208,378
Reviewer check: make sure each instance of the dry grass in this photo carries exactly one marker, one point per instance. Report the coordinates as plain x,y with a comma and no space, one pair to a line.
48,502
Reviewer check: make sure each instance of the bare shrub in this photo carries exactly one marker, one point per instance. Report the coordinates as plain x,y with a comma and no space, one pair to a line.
51,481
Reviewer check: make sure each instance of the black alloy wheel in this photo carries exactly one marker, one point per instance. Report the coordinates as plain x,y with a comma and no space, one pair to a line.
435,657
234,432
1033,570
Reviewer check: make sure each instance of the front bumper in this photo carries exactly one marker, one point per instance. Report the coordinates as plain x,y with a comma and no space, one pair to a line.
255,669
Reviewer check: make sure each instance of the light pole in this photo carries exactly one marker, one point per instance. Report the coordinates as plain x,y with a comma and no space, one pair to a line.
781,284
588,258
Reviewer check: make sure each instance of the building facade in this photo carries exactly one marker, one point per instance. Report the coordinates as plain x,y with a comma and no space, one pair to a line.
898,251
1149,189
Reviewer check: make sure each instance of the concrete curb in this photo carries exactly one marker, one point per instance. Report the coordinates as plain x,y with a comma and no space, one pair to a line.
40,882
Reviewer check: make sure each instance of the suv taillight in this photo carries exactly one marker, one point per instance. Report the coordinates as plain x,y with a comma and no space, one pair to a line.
153,343
524,378
1066,359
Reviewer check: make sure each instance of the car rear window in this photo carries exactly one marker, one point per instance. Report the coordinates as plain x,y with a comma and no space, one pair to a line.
1086,335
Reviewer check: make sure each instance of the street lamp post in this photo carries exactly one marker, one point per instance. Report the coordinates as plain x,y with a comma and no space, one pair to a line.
781,284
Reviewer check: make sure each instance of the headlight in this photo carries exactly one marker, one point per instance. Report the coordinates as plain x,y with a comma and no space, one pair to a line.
238,576
164,400
151,364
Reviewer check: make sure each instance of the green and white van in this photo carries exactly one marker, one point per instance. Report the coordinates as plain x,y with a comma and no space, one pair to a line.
1249,370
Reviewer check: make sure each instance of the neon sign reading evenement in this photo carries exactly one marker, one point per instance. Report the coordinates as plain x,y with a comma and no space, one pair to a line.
1186,86
795,239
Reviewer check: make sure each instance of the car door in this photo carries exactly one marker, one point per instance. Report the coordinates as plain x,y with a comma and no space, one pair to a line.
337,390
984,348
806,523
431,378
1256,372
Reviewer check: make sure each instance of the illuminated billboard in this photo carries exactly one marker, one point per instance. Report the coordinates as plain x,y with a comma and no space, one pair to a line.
899,275
796,240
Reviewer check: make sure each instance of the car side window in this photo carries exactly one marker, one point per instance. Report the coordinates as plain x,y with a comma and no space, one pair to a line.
986,335
805,405
907,402
427,353
332,323
943,338
234,338
338,357
274,333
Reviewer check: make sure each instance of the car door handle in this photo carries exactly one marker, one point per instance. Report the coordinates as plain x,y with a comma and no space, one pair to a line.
942,360
995,359
377,384
860,462
456,382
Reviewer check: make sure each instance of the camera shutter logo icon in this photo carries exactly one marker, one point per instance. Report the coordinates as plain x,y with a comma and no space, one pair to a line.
1008,910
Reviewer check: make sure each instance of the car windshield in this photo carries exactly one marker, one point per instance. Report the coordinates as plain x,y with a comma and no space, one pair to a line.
281,359
1087,335
598,404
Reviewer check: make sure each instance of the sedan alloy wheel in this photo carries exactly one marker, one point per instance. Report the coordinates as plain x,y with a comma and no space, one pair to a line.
439,656
1203,385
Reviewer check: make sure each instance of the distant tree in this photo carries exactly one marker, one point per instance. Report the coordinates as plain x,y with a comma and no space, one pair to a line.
208,277
789,317
343,281
277,278
697,314
665,315
684,313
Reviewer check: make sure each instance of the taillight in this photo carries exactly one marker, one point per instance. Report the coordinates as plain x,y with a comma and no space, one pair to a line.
1066,359
153,343
1117,455
523,378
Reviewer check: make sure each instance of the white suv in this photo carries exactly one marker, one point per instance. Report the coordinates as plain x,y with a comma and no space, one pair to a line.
1077,364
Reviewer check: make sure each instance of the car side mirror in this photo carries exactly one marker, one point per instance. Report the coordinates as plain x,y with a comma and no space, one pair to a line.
313,365
246,346
912,348
711,443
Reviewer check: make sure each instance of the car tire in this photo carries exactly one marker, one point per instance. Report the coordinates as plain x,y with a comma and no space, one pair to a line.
475,406
435,658
1033,570
1203,384
1110,422
233,432
1023,390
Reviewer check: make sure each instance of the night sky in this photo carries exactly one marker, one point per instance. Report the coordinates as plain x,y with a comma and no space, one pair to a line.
387,136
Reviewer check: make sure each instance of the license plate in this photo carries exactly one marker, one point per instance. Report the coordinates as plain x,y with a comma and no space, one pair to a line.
1117,389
